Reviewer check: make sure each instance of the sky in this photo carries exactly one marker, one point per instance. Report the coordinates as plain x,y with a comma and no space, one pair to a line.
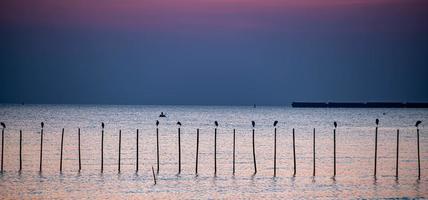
213,52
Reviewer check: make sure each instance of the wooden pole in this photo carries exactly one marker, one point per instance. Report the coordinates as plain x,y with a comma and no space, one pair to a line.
375,157
41,150
254,155
294,154
80,159
314,152
398,149
62,147
197,151
215,151
274,154
120,147
2,148
179,151
233,151
102,150
157,149
154,176
20,150
136,164
334,152
419,156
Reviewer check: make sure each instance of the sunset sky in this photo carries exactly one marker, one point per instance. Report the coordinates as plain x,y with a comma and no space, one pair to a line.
229,52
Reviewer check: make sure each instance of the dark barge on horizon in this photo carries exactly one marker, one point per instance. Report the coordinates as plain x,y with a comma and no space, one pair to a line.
357,105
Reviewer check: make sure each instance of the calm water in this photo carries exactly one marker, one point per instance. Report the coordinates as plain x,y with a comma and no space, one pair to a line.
355,149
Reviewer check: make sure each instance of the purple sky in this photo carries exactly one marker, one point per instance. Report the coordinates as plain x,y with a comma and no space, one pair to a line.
213,51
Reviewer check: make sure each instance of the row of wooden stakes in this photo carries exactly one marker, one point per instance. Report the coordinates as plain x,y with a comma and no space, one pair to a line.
197,149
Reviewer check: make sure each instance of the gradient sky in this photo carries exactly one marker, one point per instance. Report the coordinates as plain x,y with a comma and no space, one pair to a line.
227,52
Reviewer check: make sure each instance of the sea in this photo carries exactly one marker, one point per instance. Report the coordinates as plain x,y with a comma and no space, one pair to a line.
313,147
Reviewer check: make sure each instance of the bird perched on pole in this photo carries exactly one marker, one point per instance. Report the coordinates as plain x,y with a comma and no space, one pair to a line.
42,124
215,123
253,123
335,124
417,123
377,122
3,125
102,125
179,123
157,122
275,123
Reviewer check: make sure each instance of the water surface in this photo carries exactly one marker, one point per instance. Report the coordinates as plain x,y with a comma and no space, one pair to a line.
355,150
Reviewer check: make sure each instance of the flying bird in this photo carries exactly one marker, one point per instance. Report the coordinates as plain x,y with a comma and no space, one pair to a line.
377,122
335,124
42,124
215,123
4,125
179,123
102,124
417,123
275,123
253,123
157,122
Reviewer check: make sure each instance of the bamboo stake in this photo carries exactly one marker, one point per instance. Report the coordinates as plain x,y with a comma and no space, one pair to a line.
197,151
62,146
294,154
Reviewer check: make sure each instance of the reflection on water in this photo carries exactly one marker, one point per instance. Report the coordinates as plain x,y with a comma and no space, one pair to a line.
355,149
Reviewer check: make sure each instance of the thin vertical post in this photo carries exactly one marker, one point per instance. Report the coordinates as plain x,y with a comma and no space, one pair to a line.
398,149
41,150
102,150
375,157
120,147
314,153
419,156
136,164
215,151
254,154
233,151
157,149
62,147
274,153
154,176
20,150
2,148
78,142
294,154
179,151
334,152
197,151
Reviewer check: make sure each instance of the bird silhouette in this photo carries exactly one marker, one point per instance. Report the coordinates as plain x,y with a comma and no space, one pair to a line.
102,124
4,125
215,123
253,123
42,124
179,123
417,123
377,122
157,122
275,123
335,124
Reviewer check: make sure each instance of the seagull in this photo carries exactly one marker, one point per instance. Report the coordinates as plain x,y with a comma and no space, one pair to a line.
179,123
253,123
157,122
417,123
4,125
377,122
42,124
335,124
102,124
275,123
215,123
